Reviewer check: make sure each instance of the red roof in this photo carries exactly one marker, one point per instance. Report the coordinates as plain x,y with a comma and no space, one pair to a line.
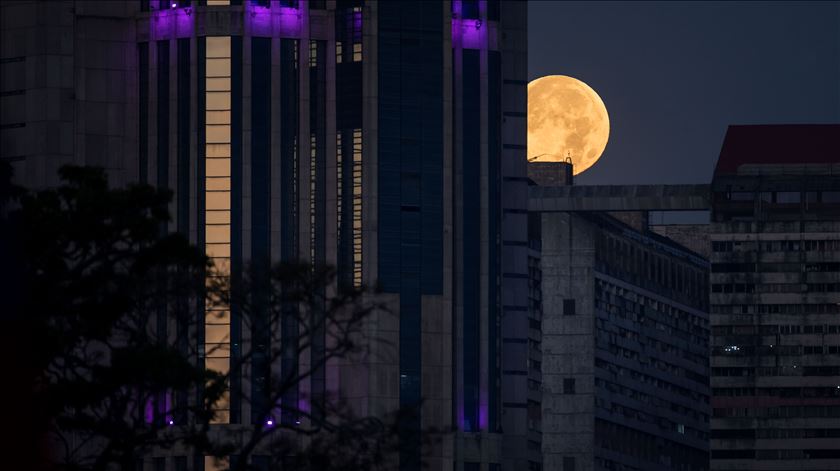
779,144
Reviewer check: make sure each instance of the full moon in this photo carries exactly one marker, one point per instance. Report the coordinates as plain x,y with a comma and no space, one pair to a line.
566,118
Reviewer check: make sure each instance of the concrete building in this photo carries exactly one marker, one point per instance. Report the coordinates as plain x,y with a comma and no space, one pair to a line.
624,330
775,299
385,138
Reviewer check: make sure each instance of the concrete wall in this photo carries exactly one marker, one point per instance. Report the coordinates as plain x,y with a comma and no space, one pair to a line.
69,88
694,237
568,260
775,307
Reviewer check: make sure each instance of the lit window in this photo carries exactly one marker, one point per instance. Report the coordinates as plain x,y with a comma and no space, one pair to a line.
212,463
357,52
217,206
312,195
339,179
313,53
357,207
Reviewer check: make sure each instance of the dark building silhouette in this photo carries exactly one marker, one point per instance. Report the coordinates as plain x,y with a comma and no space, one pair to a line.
775,299
384,138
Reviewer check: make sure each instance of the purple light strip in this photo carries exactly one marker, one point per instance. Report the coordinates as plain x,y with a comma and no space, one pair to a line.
468,33
172,23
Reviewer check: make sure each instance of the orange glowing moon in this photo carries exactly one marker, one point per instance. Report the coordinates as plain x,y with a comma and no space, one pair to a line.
566,118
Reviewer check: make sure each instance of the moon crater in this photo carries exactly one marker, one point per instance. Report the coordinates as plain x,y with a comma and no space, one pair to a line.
566,118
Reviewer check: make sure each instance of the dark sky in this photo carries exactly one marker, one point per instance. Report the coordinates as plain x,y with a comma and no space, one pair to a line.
673,75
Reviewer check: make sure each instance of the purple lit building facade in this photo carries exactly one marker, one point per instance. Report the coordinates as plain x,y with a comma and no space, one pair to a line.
384,138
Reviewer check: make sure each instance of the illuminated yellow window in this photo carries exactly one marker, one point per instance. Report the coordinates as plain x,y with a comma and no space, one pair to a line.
217,186
338,51
312,195
313,53
357,207
339,176
357,52
211,463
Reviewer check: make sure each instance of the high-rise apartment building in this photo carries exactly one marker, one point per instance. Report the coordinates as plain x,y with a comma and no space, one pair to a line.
384,138
625,332
775,299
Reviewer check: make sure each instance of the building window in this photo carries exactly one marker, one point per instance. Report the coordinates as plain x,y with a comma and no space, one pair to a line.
357,52
349,34
568,386
788,197
357,208
339,178
568,307
313,53
469,9
349,196
211,463
313,164
217,199
493,9
568,463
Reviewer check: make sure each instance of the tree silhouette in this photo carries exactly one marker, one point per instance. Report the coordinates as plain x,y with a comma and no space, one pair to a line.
109,307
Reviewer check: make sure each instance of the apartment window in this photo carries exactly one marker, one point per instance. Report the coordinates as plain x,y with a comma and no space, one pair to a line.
568,307
568,386
568,463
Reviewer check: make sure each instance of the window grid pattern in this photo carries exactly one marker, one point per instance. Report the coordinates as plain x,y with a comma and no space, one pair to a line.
339,181
313,53
217,229
313,164
357,208
353,33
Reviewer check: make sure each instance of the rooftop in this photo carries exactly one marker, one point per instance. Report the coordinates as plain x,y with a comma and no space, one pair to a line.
778,144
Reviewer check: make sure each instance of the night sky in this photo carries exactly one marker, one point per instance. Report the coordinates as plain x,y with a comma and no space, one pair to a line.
673,75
